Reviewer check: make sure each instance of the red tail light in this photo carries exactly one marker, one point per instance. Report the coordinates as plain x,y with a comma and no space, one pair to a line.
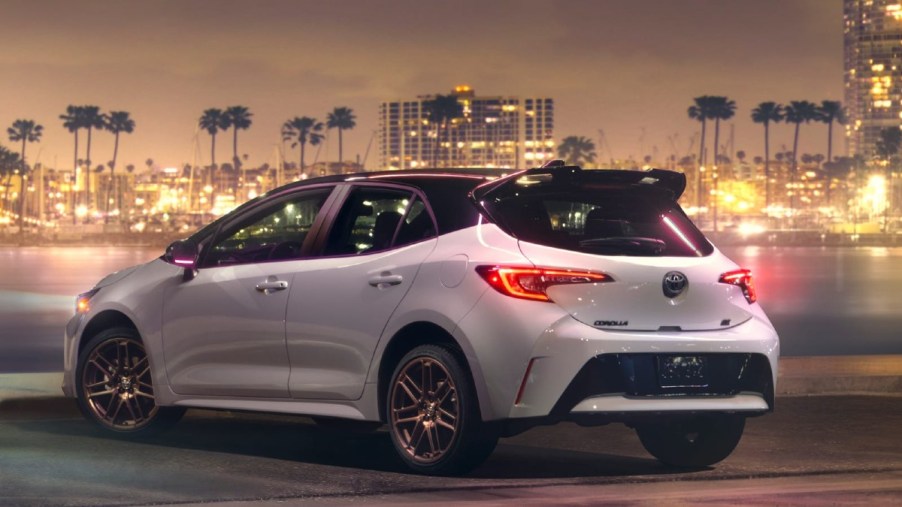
532,283
741,278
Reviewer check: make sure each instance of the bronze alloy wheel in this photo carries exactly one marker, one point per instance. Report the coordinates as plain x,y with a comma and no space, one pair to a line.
116,385
425,409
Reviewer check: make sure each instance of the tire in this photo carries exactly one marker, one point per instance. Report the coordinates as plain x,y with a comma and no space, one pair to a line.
692,443
433,414
115,389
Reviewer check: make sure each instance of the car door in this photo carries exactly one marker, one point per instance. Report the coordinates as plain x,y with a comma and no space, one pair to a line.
341,302
224,329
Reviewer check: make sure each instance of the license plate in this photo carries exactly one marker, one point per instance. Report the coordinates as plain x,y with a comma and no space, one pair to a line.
682,371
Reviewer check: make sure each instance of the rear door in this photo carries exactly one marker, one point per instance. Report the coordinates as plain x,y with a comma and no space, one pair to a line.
340,303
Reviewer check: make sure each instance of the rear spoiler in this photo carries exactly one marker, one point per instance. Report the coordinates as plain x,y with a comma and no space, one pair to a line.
671,181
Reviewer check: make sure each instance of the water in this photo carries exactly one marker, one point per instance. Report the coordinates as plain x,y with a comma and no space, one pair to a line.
829,300
37,297
823,301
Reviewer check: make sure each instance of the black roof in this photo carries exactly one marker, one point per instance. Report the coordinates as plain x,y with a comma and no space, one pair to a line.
671,182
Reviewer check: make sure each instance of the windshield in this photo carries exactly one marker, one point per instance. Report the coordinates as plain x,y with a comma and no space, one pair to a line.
612,220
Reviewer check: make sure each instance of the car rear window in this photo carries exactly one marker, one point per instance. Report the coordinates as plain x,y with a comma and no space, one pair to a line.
599,219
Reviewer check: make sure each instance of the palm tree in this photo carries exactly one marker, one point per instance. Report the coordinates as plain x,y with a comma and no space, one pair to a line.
798,112
888,144
237,117
702,112
440,111
91,119
73,122
26,131
117,122
887,149
575,150
213,120
301,130
341,118
721,108
765,113
831,111
9,163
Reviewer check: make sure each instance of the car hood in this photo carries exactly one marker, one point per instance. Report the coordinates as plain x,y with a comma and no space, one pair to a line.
112,278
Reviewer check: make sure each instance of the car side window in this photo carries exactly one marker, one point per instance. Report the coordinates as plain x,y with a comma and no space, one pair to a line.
416,226
375,219
274,233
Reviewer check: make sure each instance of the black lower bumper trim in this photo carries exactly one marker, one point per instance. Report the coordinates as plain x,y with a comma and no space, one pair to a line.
640,375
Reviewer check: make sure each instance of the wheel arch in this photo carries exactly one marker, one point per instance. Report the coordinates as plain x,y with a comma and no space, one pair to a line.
407,338
104,320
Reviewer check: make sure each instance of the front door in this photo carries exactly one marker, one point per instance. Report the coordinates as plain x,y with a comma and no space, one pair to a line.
224,330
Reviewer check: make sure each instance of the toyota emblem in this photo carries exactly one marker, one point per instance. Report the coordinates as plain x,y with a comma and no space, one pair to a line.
674,284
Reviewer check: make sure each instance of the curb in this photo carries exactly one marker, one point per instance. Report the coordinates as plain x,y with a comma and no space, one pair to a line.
843,375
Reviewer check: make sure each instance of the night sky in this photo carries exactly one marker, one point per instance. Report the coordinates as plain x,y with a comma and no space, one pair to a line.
621,66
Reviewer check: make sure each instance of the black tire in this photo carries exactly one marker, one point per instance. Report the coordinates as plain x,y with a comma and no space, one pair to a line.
695,442
114,387
433,414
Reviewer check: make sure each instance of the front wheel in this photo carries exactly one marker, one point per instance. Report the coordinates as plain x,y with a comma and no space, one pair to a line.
433,414
695,442
115,388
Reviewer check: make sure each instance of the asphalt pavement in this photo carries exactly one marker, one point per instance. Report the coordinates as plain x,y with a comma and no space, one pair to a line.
815,449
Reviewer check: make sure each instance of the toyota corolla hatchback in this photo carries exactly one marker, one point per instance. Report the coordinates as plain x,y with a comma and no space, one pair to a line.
452,309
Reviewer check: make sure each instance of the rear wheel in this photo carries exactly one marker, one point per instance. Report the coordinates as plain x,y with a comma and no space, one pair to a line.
696,442
433,414
115,388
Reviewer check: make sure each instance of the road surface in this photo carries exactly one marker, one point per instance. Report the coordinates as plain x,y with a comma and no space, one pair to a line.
812,450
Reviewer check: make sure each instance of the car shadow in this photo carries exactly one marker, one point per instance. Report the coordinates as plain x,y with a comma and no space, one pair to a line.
298,439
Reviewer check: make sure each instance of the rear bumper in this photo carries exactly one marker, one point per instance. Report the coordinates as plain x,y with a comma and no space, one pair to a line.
577,370
753,403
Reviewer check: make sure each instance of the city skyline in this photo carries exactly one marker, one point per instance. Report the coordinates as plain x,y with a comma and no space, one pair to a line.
628,68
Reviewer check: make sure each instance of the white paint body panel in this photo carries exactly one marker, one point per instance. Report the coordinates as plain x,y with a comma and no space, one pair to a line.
335,328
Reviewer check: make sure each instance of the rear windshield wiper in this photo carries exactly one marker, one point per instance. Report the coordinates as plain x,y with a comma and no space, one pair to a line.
631,244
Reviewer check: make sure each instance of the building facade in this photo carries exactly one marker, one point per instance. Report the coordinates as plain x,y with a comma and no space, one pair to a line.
873,70
501,132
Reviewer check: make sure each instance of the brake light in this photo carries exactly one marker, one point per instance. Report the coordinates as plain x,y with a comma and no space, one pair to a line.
741,278
532,283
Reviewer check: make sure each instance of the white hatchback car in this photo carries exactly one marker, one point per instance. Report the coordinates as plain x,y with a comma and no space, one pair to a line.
451,308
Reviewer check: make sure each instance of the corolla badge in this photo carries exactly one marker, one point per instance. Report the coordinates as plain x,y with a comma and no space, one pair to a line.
674,284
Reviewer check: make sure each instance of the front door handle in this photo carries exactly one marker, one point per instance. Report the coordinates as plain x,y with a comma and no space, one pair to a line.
383,281
272,286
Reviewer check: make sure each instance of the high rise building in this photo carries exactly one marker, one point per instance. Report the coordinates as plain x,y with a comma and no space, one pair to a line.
873,70
502,132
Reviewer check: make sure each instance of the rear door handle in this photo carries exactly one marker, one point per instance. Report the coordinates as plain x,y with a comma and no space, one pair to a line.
383,281
272,286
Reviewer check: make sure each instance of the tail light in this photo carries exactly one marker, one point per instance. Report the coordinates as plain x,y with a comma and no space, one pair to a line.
533,283
741,278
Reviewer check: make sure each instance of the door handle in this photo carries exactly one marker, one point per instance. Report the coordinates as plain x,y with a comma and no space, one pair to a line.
383,281
272,286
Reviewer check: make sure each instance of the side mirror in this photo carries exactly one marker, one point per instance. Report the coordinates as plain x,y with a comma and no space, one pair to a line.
183,253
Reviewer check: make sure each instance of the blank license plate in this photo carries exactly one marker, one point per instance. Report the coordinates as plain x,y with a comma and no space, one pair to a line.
682,371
